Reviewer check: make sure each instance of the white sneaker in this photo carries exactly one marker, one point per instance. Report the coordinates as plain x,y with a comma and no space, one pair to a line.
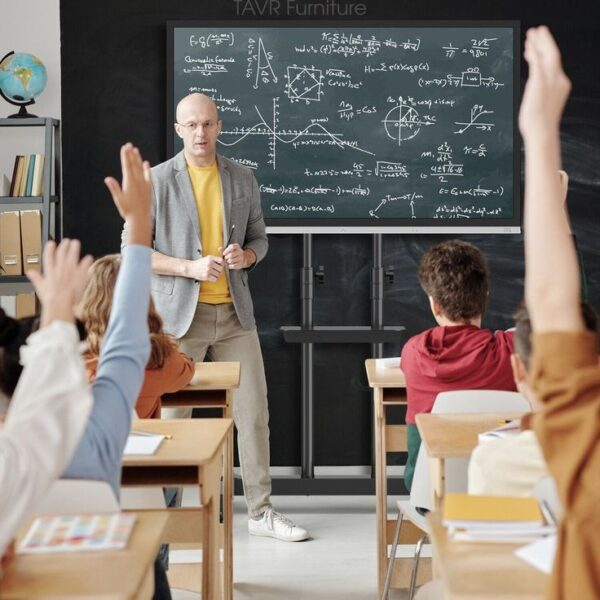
275,525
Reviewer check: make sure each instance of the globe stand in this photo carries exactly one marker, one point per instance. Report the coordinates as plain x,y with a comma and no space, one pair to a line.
22,114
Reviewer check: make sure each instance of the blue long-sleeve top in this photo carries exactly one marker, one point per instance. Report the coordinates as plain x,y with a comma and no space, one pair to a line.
123,357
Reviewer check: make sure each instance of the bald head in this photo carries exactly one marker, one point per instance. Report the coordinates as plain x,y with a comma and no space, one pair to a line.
198,125
195,101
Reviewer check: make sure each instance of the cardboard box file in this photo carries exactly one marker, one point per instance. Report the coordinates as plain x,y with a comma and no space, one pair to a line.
10,244
26,305
31,239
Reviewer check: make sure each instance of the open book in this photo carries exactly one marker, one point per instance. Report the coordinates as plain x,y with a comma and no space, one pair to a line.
77,533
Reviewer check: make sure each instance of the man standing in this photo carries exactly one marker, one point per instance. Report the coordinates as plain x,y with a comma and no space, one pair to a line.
208,232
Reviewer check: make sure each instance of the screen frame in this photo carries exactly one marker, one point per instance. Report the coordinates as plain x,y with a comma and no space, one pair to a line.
415,226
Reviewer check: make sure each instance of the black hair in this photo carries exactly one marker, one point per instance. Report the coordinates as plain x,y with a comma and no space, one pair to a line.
13,334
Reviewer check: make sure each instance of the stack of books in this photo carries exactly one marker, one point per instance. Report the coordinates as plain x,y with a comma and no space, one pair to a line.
508,519
27,178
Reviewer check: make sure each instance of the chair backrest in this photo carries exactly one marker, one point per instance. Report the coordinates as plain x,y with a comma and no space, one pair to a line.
456,469
78,496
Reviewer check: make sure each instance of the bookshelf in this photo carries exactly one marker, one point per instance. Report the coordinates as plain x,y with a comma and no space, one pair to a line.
49,203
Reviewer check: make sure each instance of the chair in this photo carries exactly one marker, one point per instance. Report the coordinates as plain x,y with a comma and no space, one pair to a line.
78,496
458,401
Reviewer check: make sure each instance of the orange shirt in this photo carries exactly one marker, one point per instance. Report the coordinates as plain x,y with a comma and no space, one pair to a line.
176,372
566,376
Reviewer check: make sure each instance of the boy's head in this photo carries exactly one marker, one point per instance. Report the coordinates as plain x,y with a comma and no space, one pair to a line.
520,359
455,277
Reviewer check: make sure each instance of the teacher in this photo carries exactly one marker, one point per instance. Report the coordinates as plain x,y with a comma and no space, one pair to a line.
209,232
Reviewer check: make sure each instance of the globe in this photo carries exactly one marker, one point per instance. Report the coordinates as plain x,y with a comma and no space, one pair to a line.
22,79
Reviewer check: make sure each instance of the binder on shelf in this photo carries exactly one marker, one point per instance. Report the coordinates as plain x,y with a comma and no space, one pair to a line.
26,305
10,244
29,178
38,176
31,239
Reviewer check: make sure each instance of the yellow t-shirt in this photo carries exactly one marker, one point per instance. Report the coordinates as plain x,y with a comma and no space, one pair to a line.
209,203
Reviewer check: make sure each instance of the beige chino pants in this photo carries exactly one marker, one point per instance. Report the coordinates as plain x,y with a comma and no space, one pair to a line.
216,333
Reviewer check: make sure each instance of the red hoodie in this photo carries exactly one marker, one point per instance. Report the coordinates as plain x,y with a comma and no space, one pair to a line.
460,357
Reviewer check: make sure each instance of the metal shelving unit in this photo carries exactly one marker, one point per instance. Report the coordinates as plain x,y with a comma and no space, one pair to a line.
50,200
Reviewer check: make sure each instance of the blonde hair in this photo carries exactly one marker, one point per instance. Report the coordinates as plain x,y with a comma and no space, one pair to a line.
95,307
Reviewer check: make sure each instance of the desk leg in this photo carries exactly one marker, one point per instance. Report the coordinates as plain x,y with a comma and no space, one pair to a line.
210,478
380,487
438,483
228,503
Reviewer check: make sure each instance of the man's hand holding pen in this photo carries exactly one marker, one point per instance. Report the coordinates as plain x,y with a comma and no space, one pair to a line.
234,256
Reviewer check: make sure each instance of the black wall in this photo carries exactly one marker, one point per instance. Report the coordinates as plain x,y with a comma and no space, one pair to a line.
114,90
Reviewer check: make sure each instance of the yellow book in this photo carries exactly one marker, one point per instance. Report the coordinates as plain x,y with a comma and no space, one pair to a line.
469,511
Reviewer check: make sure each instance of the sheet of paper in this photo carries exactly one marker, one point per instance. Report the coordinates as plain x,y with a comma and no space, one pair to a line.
539,554
142,444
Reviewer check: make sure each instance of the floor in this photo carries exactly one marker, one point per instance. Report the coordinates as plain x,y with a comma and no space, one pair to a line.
338,563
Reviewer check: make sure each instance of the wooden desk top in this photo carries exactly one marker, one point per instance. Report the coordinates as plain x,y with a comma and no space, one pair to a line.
483,571
384,378
215,376
194,442
455,435
105,575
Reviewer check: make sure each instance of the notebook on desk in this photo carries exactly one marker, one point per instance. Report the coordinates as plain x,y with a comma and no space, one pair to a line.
77,533
494,518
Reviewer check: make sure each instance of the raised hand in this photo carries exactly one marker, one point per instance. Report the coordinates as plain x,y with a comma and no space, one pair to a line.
60,286
547,87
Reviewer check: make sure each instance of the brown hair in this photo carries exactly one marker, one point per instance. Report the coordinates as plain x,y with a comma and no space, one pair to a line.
95,306
523,329
455,274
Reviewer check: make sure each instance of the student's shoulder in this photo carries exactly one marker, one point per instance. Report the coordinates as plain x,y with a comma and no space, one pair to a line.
506,337
417,340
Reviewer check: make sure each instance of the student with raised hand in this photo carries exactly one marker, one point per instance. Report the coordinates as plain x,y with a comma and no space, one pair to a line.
126,344
564,369
50,405
168,369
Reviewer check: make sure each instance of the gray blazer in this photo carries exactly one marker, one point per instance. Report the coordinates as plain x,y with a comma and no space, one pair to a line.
177,233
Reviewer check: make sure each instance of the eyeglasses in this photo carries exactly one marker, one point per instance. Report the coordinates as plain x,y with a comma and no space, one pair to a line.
191,126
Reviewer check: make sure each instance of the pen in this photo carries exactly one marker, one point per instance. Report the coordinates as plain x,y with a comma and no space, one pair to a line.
230,236
149,434
548,514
